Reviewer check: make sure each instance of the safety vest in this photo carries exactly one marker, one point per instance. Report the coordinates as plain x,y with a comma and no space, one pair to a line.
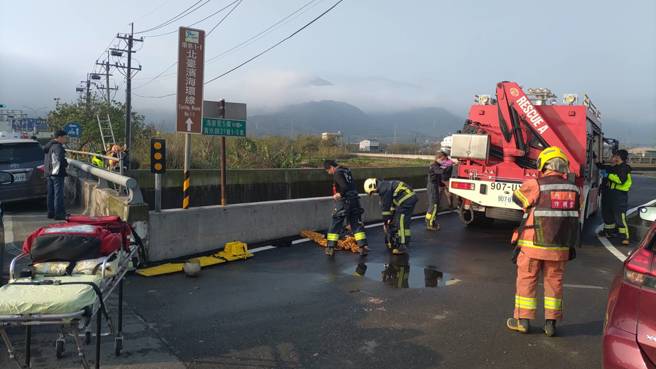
402,192
98,162
555,216
626,186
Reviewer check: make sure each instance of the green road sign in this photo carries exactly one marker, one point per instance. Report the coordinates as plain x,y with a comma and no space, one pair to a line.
224,127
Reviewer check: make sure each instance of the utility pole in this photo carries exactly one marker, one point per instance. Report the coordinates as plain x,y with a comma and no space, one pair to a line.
107,89
88,94
130,39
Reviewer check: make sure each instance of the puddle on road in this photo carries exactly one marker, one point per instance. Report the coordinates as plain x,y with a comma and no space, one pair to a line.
399,273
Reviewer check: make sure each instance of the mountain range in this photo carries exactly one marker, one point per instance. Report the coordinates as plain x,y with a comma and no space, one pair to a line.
413,125
417,125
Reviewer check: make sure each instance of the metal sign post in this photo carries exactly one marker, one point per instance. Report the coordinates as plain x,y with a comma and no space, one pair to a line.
191,64
186,182
158,192
221,118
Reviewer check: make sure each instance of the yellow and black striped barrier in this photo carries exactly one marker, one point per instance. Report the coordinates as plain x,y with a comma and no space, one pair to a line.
185,190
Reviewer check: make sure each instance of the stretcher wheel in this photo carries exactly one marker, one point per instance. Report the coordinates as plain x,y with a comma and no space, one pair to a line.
118,345
59,348
87,338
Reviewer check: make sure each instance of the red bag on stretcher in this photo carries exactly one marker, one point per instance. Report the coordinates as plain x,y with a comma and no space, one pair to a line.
112,223
71,242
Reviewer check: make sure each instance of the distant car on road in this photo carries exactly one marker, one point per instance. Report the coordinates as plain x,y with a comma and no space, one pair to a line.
629,340
22,157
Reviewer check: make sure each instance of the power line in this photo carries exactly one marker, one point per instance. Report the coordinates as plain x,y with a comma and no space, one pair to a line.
179,16
257,55
224,17
197,22
236,2
261,33
274,45
251,39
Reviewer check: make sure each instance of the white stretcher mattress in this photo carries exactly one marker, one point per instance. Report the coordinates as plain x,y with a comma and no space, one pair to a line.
48,299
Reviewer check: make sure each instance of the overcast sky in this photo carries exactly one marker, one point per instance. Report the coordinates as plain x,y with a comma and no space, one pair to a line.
376,54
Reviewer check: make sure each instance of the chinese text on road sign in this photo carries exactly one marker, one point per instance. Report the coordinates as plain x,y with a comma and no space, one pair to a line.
191,60
224,127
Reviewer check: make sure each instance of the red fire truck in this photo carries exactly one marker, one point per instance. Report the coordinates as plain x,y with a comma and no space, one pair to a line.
502,139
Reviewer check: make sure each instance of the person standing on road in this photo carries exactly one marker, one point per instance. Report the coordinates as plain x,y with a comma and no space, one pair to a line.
397,202
347,207
55,170
433,184
446,165
545,240
615,196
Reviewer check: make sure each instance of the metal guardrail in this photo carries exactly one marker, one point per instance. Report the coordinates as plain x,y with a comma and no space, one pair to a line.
130,184
120,158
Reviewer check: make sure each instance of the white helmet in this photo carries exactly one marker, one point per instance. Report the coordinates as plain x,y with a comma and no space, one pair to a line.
370,185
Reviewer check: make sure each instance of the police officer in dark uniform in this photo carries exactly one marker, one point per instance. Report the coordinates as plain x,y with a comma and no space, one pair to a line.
615,195
347,208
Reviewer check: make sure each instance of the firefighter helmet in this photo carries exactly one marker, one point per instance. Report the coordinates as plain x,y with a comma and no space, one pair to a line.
370,185
549,154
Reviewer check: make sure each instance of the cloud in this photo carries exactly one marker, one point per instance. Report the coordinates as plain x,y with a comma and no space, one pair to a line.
268,90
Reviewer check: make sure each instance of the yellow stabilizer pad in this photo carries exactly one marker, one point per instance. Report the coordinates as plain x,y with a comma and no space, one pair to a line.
162,269
169,268
232,251
235,251
210,260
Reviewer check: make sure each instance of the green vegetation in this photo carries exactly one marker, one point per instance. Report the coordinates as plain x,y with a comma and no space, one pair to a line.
249,152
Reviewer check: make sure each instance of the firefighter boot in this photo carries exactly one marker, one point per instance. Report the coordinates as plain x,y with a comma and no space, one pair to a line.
519,325
399,249
432,225
550,327
330,250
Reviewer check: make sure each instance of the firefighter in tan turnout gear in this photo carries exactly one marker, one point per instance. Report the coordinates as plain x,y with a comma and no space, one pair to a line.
545,240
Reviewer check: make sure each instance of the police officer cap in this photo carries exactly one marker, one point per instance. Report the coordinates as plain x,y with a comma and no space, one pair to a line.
329,163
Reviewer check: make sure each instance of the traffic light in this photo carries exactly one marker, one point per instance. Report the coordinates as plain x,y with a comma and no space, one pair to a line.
157,155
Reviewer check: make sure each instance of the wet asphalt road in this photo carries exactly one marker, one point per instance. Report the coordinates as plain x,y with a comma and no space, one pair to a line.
293,308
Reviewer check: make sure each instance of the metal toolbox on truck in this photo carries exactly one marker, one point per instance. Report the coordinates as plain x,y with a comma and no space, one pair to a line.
469,146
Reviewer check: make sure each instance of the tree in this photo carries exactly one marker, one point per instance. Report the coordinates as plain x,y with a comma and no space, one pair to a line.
79,112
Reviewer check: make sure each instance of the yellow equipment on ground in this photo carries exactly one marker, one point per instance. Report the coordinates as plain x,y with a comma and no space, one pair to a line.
348,243
232,251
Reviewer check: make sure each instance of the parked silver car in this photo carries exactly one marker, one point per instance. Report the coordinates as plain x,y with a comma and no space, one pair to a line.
22,158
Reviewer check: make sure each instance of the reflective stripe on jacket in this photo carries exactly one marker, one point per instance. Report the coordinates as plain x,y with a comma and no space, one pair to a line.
392,195
551,223
615,183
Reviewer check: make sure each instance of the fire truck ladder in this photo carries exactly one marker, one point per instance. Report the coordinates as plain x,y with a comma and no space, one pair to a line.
106,131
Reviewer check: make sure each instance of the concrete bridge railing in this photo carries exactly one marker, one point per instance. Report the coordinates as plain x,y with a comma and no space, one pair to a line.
99,192
175,233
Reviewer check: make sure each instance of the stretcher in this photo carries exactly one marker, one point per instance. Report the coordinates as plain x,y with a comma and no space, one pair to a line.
69,295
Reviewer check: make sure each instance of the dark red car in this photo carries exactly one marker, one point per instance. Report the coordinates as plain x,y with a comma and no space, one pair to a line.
629,340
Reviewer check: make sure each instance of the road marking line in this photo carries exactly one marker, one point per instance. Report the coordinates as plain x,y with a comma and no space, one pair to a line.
607,244
263,248
584,286
303,240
